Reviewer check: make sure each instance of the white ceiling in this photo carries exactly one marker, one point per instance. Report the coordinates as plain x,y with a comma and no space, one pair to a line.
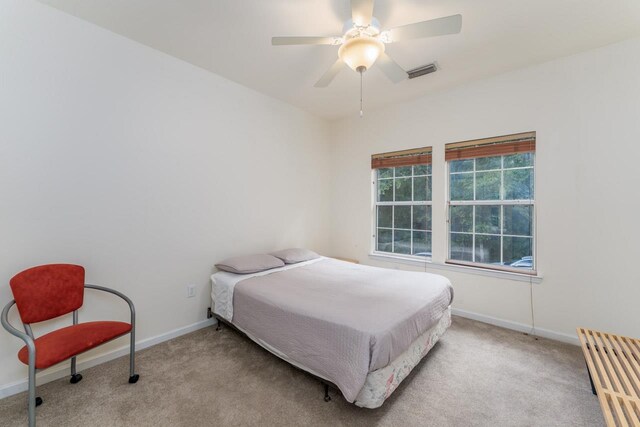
232,38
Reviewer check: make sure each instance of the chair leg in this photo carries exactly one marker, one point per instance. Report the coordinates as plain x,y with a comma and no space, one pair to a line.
75,377
133,377
32,390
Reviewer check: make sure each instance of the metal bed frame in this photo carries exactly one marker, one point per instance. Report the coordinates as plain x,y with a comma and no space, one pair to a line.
326,384
29,340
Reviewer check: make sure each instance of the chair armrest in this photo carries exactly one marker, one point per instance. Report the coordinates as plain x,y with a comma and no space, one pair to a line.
13,331
120,294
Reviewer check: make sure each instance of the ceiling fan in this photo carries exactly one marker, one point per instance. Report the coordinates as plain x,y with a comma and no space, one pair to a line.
363,41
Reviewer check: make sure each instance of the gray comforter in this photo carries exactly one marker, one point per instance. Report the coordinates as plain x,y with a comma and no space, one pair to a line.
341,320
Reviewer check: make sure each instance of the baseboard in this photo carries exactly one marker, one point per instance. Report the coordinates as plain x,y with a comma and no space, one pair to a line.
520,327
63,371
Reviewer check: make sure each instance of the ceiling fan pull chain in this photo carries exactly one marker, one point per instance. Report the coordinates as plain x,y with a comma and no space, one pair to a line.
361,113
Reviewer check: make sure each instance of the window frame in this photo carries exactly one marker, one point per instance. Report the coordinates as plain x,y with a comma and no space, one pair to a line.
502,203
374,215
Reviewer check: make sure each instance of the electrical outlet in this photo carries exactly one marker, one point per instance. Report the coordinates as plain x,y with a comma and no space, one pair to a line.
191,291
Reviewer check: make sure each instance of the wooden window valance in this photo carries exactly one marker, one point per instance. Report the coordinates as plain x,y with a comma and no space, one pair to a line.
487,147
415,156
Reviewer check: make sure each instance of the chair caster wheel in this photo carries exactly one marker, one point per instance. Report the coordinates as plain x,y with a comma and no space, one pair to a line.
327,398
75,379
39,401
134,379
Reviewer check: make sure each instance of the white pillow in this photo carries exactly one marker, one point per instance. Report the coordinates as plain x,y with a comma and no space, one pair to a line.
295,255
249,264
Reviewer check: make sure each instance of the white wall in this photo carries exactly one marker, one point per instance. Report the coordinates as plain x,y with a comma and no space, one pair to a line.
142,168
586,111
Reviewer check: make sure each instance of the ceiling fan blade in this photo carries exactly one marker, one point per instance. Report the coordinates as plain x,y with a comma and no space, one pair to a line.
330,74
390,68
361,12
281,41
435,27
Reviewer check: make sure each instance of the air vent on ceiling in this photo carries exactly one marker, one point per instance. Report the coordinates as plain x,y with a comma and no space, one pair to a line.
421,71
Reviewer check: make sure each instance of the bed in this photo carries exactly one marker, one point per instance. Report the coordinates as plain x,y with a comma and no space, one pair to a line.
358,327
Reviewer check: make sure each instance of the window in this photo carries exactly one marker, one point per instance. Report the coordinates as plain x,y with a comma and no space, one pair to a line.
489,220
402,222
492,202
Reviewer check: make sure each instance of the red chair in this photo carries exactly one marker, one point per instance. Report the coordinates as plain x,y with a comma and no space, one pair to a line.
49,291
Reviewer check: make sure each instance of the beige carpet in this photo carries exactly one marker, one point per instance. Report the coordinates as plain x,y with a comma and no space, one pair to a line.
477,375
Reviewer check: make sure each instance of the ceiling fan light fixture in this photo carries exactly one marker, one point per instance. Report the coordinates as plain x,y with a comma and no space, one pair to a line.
360,52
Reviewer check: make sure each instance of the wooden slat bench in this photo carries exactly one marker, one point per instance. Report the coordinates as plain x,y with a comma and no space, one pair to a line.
614,369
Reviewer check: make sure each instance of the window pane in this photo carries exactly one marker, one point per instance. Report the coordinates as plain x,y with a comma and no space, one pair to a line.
422,217
461,186
518,220
488,249
488,185
402,242
422,243
403,171
422,188
518,184
402,217
422,170
488,220
385,190
461,247
486,163
518,160
517,252
385,173
384,240
384,216
403,189
461,165
461,218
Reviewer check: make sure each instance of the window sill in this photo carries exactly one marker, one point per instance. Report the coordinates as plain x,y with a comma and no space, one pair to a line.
427,262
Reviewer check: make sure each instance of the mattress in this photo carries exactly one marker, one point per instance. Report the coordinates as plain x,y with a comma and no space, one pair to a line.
337,320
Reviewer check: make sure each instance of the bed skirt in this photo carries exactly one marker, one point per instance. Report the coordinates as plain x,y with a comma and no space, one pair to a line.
382,382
